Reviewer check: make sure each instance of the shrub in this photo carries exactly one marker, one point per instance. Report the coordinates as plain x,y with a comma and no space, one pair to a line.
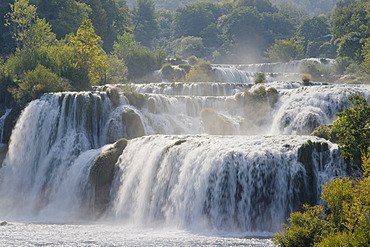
343,222
37,82
306,78
202,72
323,131
352,129
304,228
260,78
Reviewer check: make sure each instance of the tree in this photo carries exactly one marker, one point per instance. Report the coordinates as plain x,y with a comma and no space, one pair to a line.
145,23
350,27
366,55
285,51
260,5
7,43
139,61
21,17
189,46
352,129
314,33
110,19
165,19
88,47
194,18
64,16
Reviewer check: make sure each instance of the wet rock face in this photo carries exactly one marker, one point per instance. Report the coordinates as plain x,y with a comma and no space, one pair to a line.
306,154
133,124
102,174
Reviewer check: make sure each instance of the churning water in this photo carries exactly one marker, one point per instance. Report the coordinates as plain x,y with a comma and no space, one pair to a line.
208,168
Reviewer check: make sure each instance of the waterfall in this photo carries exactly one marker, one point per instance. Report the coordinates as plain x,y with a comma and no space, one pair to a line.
298,111
244,73
200,156
213,182
194,89
50,153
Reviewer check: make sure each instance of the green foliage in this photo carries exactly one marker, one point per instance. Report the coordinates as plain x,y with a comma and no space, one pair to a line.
194,18
21,17
350,26
366,55
64,16
145,23
37,82
323,131
201,72
261,95
285,51
111,18
342,63
260,78
8,44
139,61
90,53
352,129
315,69
164,19
116,71
304,229
188,46
343,222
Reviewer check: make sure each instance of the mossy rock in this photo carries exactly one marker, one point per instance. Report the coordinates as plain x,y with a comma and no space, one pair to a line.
215,123
113,95
168,73
305,157
177,143
9,124
132,123
151,105
185,67
102,174
3,151
135,99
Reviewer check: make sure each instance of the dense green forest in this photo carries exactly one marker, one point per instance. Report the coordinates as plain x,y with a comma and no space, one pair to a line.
74,44
311,7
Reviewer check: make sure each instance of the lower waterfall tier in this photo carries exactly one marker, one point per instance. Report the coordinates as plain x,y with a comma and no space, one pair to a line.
220,183
226,183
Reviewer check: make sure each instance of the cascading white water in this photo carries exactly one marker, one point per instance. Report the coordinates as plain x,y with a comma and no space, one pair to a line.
232,183
45,172
289,67
298,111
213,182
193,89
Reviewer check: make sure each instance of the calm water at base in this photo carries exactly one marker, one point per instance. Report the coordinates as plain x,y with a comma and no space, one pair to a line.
20,234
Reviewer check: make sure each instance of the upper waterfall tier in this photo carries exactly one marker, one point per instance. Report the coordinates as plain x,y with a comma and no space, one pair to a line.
224,183
195,89
297,111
